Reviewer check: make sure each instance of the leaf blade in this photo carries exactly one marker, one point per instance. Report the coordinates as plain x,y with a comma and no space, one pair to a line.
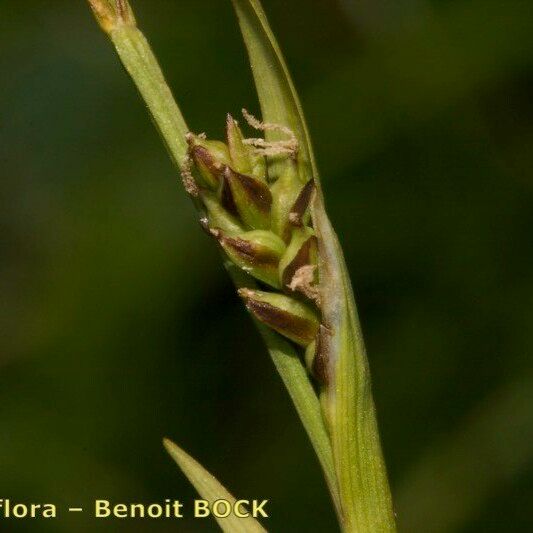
278,97
211,489
142,66
359,466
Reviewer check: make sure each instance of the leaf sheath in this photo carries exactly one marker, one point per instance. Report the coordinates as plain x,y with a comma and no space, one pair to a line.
348,407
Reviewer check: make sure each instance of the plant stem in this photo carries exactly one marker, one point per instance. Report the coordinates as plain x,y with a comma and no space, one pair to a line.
142,66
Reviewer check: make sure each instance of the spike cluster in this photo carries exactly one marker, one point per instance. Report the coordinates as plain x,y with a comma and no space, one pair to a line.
263,226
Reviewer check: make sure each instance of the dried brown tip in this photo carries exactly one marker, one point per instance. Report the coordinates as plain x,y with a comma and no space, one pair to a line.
103,13
112,13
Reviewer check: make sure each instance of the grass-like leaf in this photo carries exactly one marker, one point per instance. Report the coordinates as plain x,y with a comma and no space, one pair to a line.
348,406
211,489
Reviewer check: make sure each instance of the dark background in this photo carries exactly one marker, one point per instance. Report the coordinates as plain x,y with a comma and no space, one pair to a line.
118,324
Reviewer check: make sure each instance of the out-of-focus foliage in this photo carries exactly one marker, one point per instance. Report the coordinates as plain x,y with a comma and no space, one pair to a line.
117,320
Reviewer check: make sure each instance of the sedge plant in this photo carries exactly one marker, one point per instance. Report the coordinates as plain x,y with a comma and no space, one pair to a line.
259,198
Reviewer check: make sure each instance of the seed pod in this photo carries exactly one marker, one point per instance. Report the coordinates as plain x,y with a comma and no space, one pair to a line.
287,316
251,197
243,157
210,157
285,192
218,217
301,253
257,252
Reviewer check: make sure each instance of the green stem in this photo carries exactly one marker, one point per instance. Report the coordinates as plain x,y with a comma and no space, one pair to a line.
142,66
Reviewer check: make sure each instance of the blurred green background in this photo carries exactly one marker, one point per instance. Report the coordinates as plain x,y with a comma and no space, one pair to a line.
118,324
